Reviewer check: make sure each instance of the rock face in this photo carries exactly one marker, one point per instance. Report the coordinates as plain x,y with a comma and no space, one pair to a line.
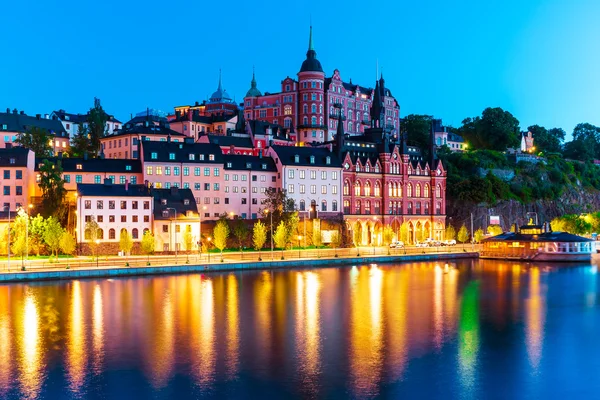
573,201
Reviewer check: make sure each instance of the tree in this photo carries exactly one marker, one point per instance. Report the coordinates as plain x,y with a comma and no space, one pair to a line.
125,241
37,227
240,231
19,236
404,233
96,120
416,129
291,225
336,240
148,244
278,204
80,143
280,237
91,234
388,236
478,235
496,129
67,243
37,140
316,234
357,235
495,230
463,234
53,189
450,233
188,239
585,145
52,235
259,236
547,140
220,234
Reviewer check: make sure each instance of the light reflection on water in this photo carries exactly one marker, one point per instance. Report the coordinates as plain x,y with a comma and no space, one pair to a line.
366,331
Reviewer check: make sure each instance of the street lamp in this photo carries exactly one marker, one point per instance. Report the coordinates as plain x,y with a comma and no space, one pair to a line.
97,252
267,212
208,248
299,239
171,234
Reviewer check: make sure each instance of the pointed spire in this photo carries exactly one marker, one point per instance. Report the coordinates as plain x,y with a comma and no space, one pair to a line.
219,88
310,43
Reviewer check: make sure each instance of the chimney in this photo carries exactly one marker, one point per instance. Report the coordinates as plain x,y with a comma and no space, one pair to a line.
7,110
126,185
169,139
22,112
85,155
15,111
38,116
174,190
46,116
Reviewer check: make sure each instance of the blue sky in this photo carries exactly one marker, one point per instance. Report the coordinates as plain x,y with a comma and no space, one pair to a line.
538,59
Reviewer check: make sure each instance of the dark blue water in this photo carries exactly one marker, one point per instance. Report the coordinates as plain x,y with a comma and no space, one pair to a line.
483,330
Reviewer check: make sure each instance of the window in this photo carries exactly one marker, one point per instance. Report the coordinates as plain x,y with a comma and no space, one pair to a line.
334,189
426,190
313,189
78,179
19,190
123,205
79,166
171,156
111,218
123,218
290,173
215,186
134,233
346,207
324,205
357,189
100,218
111,233
88,204
134,218
111,204
334,205
133,179
207,186
186,171
418,190
176,171
153,156
146,218
168,171
346,188
216,171
302,205
323,189
409,190
165,228
149,170
290,188
206,171
99,204
122,179
302,189
146,205
67,178
6,174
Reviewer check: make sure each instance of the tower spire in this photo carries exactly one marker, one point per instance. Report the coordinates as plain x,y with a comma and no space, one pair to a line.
310,43
219,88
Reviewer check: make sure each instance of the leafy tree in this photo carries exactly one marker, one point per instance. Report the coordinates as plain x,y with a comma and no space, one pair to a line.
279,205
125,241
388,236
280,237
585,145
53,189
188,239
240,231
148,244
80,143
336,240
37,140
463,235
37,229
221,233
96,119
495,230
52,235
67,243
417,130
478,235
291,225
496,129
547,140
259,236
19,236
404,233
357,233
316,234
450,233
91,234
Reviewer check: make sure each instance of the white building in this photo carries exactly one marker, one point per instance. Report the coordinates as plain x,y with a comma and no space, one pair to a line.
71,122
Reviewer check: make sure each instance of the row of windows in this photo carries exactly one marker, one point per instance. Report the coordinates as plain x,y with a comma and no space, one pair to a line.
18,190
97,179
112,233
395,207
111,204
18,174
150,170
313,174
191,157
394,190
112,219
334,205
313,189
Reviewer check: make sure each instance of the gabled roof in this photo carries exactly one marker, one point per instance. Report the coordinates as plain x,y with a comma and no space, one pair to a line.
18,154
350,86
149,130
21,123
112,190
94,165
253,163
182,152
79,118
287,156
260,128
175,198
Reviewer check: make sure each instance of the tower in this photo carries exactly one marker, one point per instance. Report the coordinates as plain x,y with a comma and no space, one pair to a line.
311,79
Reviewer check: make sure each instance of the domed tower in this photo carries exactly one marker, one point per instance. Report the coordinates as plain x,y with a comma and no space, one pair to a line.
311,79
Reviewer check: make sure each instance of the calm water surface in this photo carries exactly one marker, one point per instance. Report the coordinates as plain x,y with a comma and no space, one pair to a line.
483,330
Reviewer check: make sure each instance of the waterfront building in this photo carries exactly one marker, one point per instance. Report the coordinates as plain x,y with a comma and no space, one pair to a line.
312,178
306,105
15,123
176,223
18,183
443,137
115,208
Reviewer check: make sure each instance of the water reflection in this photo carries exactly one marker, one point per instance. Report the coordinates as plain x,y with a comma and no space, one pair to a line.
364,331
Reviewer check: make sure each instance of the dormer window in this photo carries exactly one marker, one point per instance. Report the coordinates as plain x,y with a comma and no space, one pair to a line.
163,202
12,160
312,159
228,165
264,166
201,157
211,157
165,213
79,166
4,127
328,160
192,157
171,156
153,156
248,165
186,202
296,158
128,168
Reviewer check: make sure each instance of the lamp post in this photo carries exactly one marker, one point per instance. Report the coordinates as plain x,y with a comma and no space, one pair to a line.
208,248
29,207
299,239
97,252
267,212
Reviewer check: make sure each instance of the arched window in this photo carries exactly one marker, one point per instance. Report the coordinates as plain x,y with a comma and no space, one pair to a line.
367,187
438,191
395,189
438,208
426,190
391,207
357,188
418,190
357,207
367,207
111,234
367,168
331,110
87,234
305,120
418,208
346,206
313,120
321,109
350,126
377,207
377,190
305,108
350,114
324,205
320,120
376,168
302,205
426,208
391,189
409,190
313,108
100,234
346,188
334,205
409,209
134,233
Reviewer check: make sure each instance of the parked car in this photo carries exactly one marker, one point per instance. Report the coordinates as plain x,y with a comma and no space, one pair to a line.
397,245
422,244
450,242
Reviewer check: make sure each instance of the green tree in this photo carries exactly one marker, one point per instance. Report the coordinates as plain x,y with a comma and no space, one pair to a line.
80,143
495,230
585,145
67,243
316,234
96,119
19,236
417,130
125,241
37,140
547,140
148,244
478,235
279,205
188,239
91,234
291,225
404,233
37,228
463,235
450,233
259,236
240,231
496,129
280,237
220,234
52,234
336,240
53,189
388,236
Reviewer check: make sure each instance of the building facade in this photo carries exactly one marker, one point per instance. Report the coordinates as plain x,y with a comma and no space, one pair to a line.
18,182
15,123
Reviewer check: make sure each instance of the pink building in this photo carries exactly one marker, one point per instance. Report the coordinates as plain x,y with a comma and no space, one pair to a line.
18,179
14,123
